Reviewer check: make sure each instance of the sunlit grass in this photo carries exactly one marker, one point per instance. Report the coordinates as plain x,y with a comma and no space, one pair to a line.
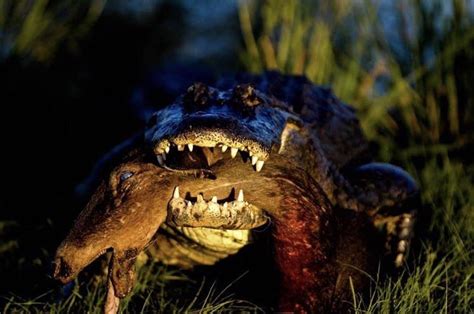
34,30
344,45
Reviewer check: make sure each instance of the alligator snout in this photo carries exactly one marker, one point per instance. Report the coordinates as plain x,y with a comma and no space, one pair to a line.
241,118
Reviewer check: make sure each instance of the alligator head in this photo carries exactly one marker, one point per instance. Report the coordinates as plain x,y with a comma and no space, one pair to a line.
241,120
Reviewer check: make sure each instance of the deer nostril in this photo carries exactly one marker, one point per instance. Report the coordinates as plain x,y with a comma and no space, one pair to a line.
61,269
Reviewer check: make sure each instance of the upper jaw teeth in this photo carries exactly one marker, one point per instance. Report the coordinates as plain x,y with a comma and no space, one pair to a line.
165,148
254,160
259,165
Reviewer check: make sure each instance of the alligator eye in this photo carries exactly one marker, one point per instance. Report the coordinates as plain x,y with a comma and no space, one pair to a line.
125,175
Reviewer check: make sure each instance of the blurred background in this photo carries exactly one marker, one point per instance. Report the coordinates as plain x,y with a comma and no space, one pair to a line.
68,70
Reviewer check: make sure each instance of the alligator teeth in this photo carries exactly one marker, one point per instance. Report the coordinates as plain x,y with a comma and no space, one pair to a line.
259,165
200,198
240,198
176,192
160,160
254,160
233,152
165,148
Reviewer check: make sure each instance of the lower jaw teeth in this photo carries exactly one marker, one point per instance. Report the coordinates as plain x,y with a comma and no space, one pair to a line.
236,214
200,199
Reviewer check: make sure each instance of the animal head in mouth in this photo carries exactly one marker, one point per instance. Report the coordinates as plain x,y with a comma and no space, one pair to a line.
138,196
122,215
207,125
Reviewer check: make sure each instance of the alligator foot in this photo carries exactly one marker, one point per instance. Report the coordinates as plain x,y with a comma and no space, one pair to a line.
402,239
391,197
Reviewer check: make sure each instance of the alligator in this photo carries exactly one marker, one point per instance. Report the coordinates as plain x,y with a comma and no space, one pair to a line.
267,152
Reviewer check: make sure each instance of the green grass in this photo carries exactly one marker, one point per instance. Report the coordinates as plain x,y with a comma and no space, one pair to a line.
35,30
158,289
417,110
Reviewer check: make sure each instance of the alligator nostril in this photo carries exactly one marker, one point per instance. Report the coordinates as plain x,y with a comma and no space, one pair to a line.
197,94
246,95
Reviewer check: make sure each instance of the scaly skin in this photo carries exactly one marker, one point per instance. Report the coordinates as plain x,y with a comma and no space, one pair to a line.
302,163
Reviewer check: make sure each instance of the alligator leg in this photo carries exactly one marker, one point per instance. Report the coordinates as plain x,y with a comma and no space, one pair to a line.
391,197
385,192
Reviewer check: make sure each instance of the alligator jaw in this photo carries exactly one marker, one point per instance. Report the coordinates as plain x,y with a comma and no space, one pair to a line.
254,151
234,215
238,120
